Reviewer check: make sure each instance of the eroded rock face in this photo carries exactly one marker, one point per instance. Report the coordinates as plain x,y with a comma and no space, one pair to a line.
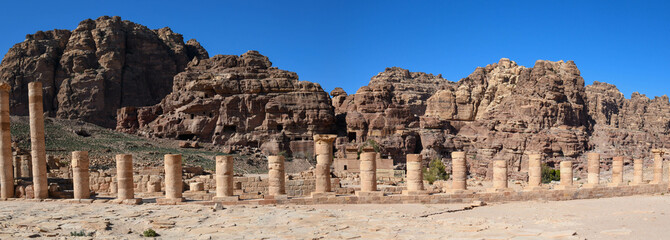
102,65
387,109
236,101
500,111
627,127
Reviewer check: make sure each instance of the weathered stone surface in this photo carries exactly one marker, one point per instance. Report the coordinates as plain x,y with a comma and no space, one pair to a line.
235,100
384,110
102,65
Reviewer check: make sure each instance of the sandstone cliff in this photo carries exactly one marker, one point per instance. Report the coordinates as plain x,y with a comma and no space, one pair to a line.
102,65
501,111
237,101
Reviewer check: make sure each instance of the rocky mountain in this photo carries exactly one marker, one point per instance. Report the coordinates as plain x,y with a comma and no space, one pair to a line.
501,111
237,101
149,82
102,65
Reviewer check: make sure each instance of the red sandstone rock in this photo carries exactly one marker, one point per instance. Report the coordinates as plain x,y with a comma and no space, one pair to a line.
102,65
236,100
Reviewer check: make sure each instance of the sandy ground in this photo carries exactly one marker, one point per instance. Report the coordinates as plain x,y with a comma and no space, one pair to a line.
637,217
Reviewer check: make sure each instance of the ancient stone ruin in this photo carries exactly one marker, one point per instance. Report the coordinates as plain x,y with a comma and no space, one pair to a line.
316,187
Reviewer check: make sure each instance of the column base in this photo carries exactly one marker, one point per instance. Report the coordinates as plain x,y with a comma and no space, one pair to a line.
226,199
591,185
370,194
499,190
415,192
616,184
169,201
460,191
276,197
564,187
323,194
637,184
533,188
132,201
84,200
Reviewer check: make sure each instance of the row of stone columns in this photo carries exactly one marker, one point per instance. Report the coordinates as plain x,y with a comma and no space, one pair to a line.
535,172
38,149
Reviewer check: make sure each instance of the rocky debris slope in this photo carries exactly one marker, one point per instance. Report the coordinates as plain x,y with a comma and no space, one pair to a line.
102,65
237,101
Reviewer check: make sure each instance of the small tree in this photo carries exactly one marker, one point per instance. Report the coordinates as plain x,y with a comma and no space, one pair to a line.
550,174
435,171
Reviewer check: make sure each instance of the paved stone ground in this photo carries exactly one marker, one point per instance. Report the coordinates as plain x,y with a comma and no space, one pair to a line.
637,217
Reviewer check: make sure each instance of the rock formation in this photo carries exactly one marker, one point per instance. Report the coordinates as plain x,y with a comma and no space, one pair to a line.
102,65
237,101
386,109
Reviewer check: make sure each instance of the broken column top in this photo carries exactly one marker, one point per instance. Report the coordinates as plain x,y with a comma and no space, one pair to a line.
329,138
413,158
4,87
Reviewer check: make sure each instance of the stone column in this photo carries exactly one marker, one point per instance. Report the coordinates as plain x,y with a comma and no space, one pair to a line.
658,166
80,175
534,171
617,171
6,169
638,168
566,175
593,169
173,179
17,167
368,174
499,175
125,188
323,148
414,177
277,176
37,147
458,171
224,179
26,166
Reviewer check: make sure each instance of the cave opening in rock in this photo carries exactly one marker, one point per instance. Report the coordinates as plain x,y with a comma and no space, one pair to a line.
418,146
345,167
229,129
351,136
280,128
186,136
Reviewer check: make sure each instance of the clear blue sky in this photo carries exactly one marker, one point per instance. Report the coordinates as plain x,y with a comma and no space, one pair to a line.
344,43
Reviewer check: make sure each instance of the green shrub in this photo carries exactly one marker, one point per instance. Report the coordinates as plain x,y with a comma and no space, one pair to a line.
81,233
550,174
150,233
435,171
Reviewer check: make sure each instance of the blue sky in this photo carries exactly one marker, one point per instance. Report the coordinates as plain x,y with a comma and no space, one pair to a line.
345,43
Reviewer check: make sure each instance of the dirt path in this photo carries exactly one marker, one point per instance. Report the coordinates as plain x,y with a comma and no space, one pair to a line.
638,217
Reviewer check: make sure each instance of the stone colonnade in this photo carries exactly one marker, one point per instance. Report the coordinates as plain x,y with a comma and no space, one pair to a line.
323,146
